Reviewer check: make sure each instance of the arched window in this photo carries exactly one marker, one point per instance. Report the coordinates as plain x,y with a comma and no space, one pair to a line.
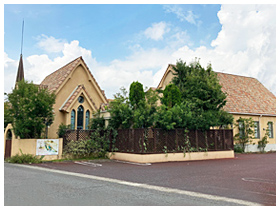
80,117
73,116
87,119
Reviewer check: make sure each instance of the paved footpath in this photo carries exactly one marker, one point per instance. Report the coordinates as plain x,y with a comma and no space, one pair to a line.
247,177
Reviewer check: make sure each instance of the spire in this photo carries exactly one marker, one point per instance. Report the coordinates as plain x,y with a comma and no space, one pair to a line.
20,72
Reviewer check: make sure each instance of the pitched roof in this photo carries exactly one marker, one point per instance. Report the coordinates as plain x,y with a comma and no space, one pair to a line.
245,95
56,79
74,95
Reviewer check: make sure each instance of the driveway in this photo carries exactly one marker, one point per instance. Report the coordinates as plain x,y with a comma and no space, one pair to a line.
248,177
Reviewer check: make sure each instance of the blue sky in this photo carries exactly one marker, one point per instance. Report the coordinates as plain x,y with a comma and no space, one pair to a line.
125,43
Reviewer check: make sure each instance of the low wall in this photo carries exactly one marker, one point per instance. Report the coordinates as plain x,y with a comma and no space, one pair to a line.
28,146
156,158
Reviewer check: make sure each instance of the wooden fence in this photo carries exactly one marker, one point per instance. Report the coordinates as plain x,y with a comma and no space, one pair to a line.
150,141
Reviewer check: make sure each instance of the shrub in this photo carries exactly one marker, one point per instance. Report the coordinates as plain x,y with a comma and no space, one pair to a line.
24,158
238,148
62,130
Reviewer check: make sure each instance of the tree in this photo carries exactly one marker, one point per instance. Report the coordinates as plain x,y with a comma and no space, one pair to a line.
7,116
136,94
31,109
200,87
121,111
246,131
263,142
179,116
171,95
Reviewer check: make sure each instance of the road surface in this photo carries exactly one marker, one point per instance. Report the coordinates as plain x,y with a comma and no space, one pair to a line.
244,180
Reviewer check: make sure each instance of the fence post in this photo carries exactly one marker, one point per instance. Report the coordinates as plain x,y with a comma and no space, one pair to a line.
176,139
206,140
231,137
77,134
196,139
142,142
215,136
224,140
155,140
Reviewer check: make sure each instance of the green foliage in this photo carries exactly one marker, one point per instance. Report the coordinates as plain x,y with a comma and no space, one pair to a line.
263,142
97,121
246,131
179,116
24,158
200,88
121,111
193,101
62,130
238,149
7,115
96,146
136,114
31,109
78,149
171,96
136,94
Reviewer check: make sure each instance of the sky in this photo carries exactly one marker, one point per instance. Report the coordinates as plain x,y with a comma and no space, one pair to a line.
125,43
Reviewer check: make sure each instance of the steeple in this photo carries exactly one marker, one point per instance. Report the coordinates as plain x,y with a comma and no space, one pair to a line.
20,72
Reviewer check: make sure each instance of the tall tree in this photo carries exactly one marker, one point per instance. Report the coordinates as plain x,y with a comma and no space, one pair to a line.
136,94
171,95
31,109
201,88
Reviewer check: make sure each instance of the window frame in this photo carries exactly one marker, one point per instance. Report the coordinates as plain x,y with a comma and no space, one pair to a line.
270,135
256,129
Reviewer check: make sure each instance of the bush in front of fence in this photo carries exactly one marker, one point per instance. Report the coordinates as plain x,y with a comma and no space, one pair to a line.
96,144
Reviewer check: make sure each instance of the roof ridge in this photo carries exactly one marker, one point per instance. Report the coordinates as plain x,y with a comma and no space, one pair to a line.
63,67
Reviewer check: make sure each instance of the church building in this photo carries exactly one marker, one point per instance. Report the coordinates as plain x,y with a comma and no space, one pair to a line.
78,96
246,98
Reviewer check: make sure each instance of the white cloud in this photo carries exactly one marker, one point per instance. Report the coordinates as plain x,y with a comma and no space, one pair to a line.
156,31
50,44
182,14
244,46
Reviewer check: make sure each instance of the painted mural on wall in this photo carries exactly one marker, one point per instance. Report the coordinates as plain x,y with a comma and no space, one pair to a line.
47,146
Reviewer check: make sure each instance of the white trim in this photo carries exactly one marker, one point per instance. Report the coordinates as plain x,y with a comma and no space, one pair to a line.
268,115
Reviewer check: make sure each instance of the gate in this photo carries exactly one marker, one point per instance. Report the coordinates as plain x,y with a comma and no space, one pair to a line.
8,147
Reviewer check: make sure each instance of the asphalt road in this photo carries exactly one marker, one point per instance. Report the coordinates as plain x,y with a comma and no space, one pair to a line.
244,180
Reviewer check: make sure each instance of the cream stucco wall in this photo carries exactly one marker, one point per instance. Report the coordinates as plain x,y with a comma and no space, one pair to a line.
28,146
157,158
263,120
79,76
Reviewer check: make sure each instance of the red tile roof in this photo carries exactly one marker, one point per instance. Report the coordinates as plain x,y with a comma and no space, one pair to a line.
56,79
246,95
